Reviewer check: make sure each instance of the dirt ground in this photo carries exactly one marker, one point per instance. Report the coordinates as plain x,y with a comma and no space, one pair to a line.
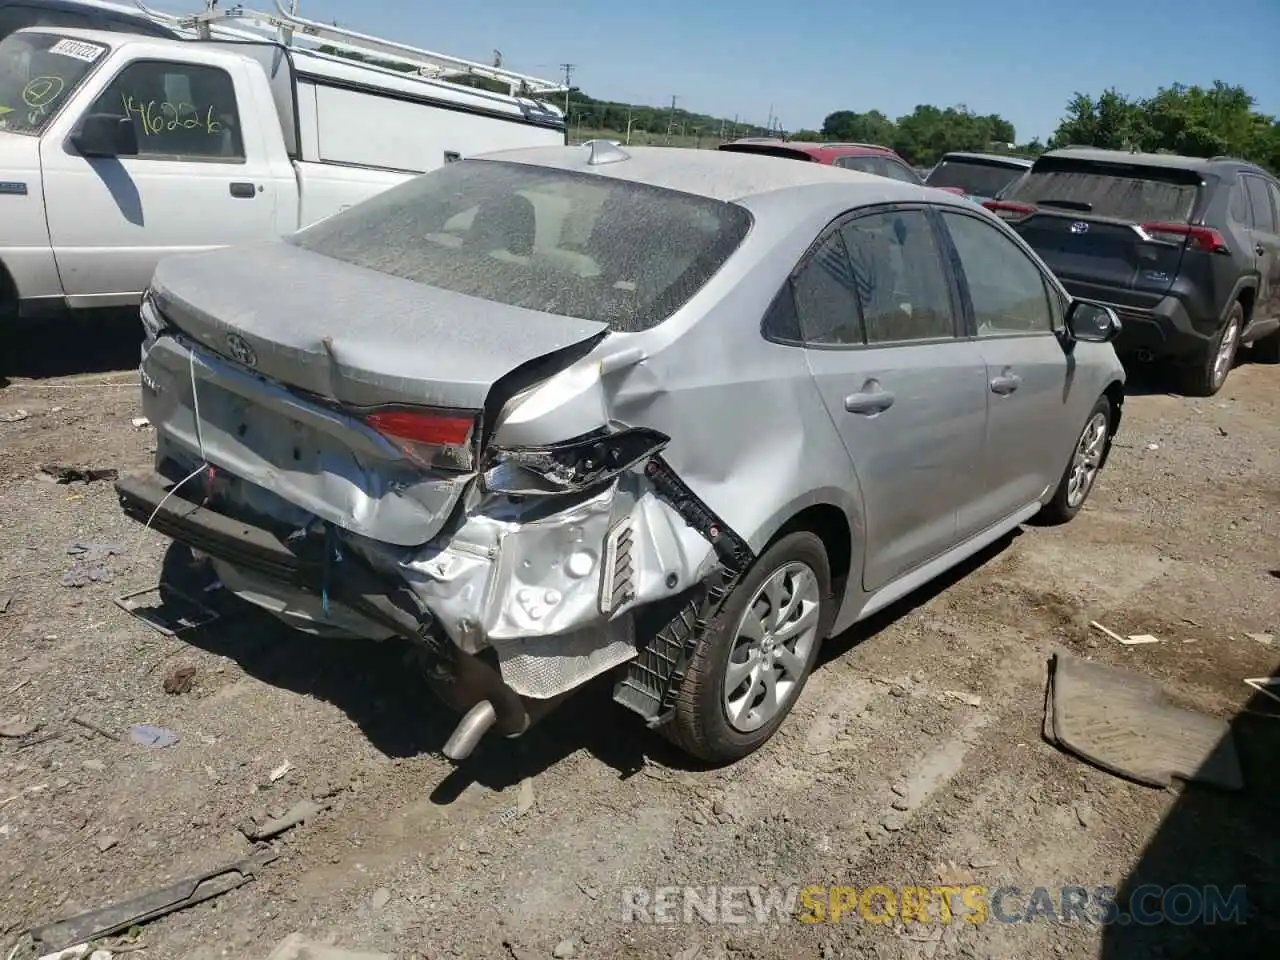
881,776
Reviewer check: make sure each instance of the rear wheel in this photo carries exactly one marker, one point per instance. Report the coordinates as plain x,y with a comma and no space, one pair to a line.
756,655
1207,373
1086,462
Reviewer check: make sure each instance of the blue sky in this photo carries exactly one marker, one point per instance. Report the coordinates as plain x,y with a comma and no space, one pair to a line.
1022,59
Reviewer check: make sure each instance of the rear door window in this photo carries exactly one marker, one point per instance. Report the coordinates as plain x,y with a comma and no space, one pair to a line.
898,272
1264,218
1121,191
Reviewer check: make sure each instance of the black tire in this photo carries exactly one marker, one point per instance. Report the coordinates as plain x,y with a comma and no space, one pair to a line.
1198,378
700,726
1060,509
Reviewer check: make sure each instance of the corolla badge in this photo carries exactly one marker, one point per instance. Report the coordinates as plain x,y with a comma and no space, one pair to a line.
240,350
1079,227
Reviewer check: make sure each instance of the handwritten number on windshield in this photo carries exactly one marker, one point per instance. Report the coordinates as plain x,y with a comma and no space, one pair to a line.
158,117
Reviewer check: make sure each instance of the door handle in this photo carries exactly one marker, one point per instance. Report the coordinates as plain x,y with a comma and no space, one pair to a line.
1005,384
243,191
869,402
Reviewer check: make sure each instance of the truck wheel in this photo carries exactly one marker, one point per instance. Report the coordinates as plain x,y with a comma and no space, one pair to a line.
1082,472
1205,376
755,656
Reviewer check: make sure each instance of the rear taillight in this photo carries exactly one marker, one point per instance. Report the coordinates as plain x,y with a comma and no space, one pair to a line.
1201,238
1009,209
438,439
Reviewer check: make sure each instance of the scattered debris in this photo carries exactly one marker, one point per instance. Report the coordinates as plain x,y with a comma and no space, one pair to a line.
16,726
106,842
6,598
566,949
140,423
1084,815
146,735
1261,683
300,812
37,741
971,699
77,952
1110,633
381,897
1121,722
281,771
1138,638
1153,446
166,609
96,728
297,947
953,875
525,801
92,563
15,417
984,864
1266,639
94,924
65,474
180,679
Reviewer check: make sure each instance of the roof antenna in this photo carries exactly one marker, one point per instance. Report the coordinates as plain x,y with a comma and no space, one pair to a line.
605,151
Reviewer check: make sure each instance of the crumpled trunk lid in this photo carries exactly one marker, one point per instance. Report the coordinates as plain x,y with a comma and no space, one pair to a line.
351,334
284,411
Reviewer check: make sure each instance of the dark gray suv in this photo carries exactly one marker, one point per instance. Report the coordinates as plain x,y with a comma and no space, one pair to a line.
1186,250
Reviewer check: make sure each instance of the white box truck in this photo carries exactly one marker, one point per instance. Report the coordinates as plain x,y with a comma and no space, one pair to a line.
119,148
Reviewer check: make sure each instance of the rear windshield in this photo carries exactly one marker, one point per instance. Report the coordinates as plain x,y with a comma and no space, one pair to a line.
38,72
974,177
1123,191
573,244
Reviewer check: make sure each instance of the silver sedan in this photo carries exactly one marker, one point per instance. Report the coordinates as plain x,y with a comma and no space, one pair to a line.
672,415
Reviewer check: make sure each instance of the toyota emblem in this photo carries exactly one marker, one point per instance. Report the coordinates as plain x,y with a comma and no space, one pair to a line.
1079,227
240,350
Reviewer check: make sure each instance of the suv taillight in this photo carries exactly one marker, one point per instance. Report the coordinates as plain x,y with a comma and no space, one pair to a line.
1202,238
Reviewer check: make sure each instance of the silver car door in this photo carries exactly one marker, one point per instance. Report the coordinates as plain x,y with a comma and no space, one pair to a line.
878,315
1035,413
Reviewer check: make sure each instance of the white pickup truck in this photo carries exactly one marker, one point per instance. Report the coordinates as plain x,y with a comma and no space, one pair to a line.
119,149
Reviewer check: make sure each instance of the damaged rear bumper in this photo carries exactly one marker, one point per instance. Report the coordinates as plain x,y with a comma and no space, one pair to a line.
467,682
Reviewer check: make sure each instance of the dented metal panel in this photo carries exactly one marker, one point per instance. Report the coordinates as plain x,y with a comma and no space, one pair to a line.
352,334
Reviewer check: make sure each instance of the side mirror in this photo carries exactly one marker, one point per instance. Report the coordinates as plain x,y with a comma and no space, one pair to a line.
1092,322
105,135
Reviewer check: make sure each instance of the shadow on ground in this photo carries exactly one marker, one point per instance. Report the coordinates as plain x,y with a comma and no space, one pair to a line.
1211,844
97,342
376,686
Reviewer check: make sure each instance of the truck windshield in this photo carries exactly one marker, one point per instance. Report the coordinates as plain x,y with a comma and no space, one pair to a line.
579,245
38,73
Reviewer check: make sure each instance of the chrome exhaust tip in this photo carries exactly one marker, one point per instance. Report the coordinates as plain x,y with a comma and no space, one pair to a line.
470,729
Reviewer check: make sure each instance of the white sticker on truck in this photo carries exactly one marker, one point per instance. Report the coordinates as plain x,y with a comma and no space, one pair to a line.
88,52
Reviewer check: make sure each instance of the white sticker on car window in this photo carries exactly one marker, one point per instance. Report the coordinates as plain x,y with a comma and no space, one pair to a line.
88,52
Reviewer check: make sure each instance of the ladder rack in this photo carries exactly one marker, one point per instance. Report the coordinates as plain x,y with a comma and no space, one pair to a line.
286,24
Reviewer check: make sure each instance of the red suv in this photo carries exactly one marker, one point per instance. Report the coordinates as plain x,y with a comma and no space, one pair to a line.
863,157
